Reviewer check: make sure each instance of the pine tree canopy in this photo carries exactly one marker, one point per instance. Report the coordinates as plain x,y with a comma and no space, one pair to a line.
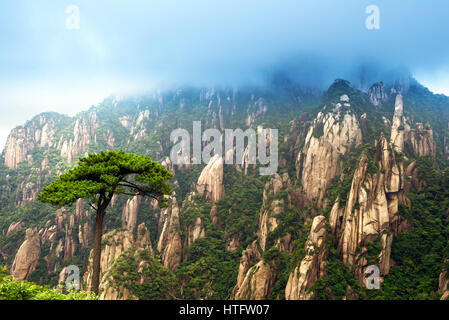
108,173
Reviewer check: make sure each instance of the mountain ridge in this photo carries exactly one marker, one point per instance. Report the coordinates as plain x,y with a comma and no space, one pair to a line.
229,233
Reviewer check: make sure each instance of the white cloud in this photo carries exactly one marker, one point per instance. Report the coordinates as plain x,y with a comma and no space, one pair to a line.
437,82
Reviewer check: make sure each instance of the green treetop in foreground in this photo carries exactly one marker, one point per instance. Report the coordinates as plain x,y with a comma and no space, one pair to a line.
98,177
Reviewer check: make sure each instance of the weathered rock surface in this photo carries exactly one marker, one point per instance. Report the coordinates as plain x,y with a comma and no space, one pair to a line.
377,93
256,277
329,137
143,238
195,232
210,183
130,213
27,256
397,127
271,208
116,243
63,237
419,141
41,132
169,243
371,209
250,256
443,281
312,266
84,132
257,283
38,132
14,227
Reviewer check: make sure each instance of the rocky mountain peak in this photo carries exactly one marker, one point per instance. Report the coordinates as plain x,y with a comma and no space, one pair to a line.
377,93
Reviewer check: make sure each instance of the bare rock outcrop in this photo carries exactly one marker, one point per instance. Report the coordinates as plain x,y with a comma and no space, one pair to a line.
84,131
397,126
256,277
130,213
41,132
377,93
250,256
330,136
143,238
14,227
17,147
194,232
271,208
312,266
27,256
80,218
257,283
370,211
443,282
418,141
169,243
115,243
210,183
63,236
38,132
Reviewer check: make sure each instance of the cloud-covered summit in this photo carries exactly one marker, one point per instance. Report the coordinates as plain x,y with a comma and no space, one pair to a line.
129,46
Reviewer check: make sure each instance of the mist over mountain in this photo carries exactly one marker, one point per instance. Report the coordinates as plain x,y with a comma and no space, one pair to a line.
356,208
133,46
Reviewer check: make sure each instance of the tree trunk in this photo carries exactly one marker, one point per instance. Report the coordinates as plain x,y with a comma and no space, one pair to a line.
97,250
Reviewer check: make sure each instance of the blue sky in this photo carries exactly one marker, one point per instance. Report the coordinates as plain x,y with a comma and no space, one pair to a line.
131,46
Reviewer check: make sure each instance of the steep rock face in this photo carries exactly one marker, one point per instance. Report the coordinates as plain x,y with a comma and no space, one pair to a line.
84,131
29,187
412,173
419,141
27,256
61,237
116,243
14,227
250,256
245,165
330,136
143,238
443,282
377,93
169,243
312,266
256,277
42,132
210,182
257,283
81,218
268,220
195,232
397,127
371,209
130,212
39,132
16,148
